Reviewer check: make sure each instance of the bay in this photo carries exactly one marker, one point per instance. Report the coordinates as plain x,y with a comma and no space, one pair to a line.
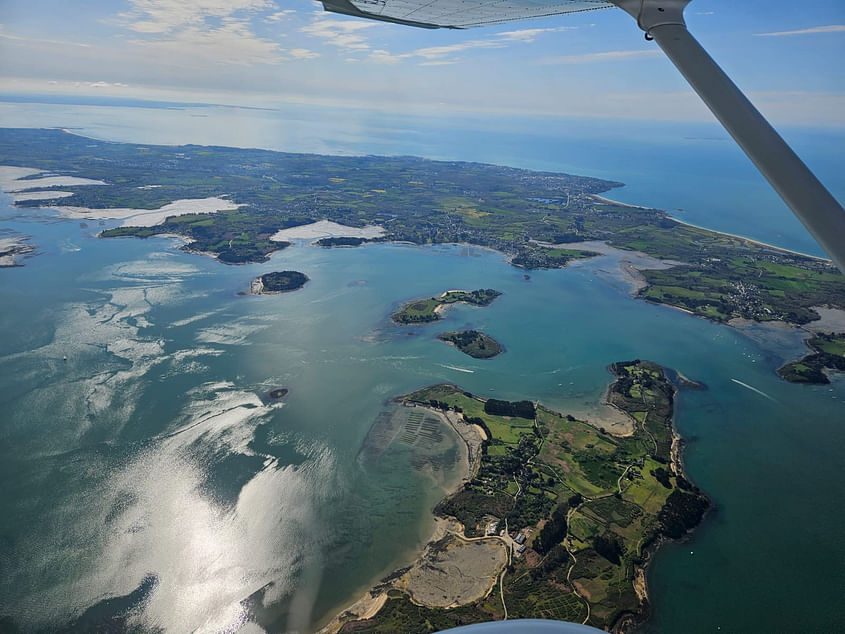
153,454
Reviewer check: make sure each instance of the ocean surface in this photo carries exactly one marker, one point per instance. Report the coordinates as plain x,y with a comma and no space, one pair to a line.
150,475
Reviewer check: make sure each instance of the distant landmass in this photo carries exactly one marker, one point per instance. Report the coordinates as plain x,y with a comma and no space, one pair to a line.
535,218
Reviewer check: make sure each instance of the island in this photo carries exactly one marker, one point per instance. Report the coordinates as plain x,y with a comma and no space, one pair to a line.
537,219
475,344
423,311
278,393
828,354
343,241
278,282
558,518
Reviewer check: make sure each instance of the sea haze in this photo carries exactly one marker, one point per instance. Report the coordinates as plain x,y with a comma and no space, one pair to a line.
150,475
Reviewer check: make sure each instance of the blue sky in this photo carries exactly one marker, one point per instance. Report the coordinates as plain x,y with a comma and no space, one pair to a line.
786,54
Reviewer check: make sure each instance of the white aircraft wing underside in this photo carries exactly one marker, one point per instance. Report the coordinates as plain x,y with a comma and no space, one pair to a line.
459,14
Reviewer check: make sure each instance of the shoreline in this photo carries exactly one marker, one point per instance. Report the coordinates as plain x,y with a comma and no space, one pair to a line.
610,201
368,604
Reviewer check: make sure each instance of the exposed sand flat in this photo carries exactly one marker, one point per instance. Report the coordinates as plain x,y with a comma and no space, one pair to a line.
42,195
628,263
327,229
9,175
150,217
10,179
453,571
832,320
764,245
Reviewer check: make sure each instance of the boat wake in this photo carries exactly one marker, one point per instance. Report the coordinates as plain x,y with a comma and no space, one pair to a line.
457,369
753,389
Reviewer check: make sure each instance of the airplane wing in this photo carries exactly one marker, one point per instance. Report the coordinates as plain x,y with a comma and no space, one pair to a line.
434,14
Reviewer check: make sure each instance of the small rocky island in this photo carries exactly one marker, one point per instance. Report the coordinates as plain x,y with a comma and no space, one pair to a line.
423,311
475,344
342,241
828,353
278,282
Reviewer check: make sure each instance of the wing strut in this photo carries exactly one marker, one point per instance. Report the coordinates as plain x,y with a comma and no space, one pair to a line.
814,205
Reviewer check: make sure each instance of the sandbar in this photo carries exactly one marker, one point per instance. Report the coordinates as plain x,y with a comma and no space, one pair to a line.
629,263
149,217
11,179
327,229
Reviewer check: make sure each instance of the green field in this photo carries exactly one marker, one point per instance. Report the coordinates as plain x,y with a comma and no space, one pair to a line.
518,212
828,354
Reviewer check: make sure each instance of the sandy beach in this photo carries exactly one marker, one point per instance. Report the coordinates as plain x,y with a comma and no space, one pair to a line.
610,201
765,245
628,263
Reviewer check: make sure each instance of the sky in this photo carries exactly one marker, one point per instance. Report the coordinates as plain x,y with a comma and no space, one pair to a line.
786,55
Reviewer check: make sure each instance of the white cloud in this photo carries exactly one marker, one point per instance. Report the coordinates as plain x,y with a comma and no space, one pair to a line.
607,56
279,15
232,43
345,34
529,35
832,28
203,32
302,53
167,16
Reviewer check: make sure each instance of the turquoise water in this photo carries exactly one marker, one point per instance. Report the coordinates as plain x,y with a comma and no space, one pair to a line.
149,463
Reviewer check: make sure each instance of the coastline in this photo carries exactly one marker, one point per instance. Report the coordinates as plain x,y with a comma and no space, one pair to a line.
449,533
765,245
368,604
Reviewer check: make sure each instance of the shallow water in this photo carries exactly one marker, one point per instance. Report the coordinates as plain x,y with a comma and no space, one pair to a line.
151,463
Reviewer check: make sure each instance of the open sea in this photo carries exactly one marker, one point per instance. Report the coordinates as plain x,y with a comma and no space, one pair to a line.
149,475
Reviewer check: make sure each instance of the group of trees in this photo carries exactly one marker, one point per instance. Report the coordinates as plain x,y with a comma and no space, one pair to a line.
280,281
554,530
681,513
521,409
608,546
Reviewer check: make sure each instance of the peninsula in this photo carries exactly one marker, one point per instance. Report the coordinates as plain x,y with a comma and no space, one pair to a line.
278,282
828,354
577,509
475,344
423,311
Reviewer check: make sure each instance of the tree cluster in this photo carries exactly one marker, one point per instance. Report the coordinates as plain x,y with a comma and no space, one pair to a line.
521,409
